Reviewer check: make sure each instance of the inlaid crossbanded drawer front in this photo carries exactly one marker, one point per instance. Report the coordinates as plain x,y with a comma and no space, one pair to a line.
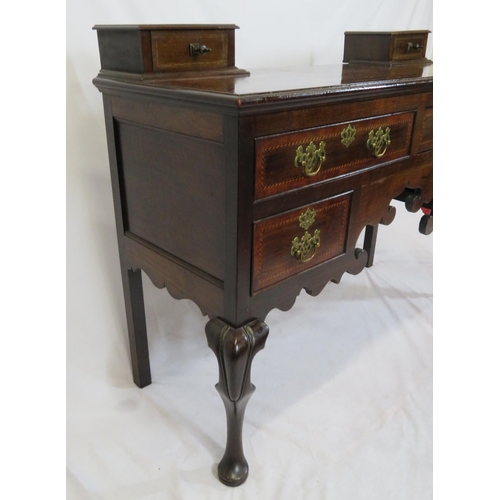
297,159
294,241
409,46
171,49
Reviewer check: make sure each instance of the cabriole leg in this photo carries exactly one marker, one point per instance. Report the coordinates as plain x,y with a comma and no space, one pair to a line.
235,349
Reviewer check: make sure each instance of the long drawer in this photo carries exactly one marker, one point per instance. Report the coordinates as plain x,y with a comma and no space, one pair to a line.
297,159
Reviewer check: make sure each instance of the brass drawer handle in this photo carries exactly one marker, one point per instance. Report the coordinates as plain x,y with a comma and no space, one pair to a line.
413,46
310,162
196,49
305,248
379,141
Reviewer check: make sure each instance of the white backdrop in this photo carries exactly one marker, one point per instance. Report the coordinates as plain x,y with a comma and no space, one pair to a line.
343,406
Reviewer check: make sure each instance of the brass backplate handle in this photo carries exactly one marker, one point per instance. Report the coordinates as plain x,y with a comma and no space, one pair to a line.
305,248
310,161
378,141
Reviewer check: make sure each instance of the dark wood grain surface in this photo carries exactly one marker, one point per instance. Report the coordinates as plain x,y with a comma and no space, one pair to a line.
385,46
190,172
210,204
276,89
275,169
273,237
170,52
172,185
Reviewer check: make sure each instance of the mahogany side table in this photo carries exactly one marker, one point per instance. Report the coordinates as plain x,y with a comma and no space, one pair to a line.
239,190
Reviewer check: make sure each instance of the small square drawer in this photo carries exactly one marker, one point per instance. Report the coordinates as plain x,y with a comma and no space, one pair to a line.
164,48
185,50
291,242
297,159
385,46
407,47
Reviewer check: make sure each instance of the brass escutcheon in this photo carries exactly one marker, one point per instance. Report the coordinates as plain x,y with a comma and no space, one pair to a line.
310,162
306,219
305,248
348,135
378,141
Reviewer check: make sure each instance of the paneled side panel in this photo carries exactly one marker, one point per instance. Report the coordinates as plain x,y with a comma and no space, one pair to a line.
173,188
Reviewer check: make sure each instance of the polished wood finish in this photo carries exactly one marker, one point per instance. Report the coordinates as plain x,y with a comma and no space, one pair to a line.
160,49
365,71
235,349
208,200
385,46
170,49
136,323
192,122
411,198
275,169
172,182
131,277
370,242
427,130
182,280
273,236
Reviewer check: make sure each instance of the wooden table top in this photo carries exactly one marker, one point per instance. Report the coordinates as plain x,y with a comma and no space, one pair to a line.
273,85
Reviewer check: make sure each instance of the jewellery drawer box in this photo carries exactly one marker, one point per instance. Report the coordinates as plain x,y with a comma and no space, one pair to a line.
298,159
385,46
173,49
290,243
147,49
